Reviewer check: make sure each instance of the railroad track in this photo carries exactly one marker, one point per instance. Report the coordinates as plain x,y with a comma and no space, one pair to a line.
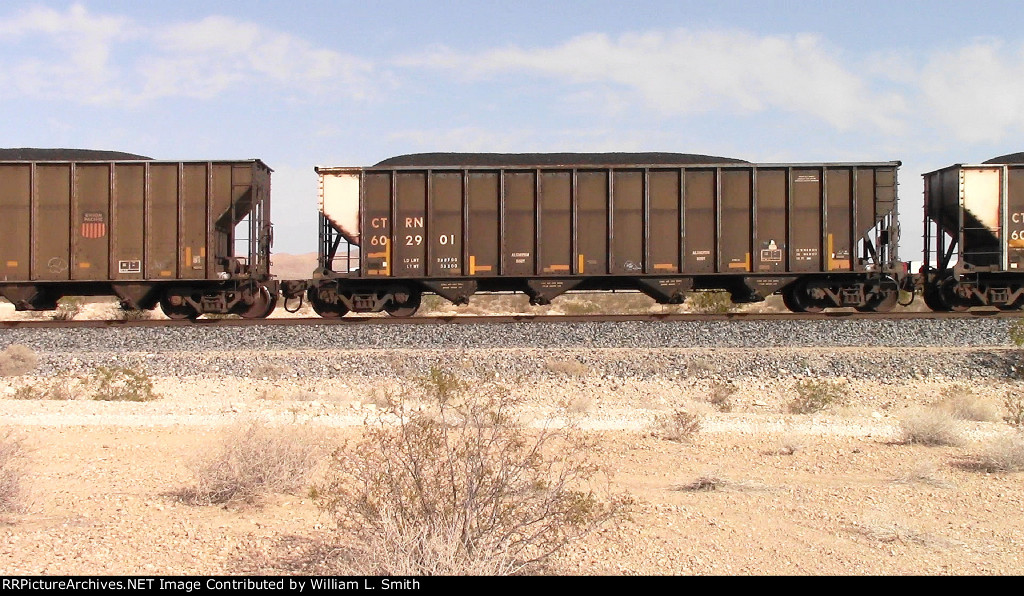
506,319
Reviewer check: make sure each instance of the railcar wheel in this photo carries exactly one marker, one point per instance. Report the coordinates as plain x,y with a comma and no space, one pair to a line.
405,309
932,299
952,300
262,306
178,313
789,301
883,303
328,311
886,297
797,299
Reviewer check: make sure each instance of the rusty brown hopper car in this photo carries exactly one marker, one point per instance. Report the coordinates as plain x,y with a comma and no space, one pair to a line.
974,235
455,224
191,236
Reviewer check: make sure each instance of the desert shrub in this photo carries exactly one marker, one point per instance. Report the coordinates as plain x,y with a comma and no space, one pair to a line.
815,395
1004,453
119,383
68,308
681,425
130,314
17,359
578,306
1017,333
587,303
930,426
432,303
53,389
716,303
447,481
1014,404
720,396
964,403
253,461
11,472
1017,337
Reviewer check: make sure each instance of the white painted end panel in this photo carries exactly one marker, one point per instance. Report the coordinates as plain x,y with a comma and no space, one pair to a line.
982,191
339,202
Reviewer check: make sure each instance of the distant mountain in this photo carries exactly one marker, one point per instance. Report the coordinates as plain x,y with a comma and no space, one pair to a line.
286,266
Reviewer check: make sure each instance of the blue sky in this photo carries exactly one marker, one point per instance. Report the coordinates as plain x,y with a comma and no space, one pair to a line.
299,84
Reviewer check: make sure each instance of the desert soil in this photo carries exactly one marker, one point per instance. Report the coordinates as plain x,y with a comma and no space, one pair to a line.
831,493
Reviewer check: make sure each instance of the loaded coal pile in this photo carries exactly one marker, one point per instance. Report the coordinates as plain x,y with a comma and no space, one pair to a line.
33,154
553,159
1008,158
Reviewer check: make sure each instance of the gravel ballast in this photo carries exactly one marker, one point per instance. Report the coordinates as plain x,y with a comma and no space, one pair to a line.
956,349
978,332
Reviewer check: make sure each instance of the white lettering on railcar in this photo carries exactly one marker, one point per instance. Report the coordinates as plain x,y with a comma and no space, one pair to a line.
447,263
130,266
806,254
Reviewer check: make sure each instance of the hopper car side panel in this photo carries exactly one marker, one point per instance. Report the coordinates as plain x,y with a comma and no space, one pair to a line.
147,232
749,229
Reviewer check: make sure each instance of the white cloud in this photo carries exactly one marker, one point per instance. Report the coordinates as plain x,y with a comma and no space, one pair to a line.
519,139
972,92
976,91
79,45
204,58
75,55
686,72
459,139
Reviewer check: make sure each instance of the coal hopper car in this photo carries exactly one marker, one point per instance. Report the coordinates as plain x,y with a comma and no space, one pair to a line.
190,236
823,235
974,235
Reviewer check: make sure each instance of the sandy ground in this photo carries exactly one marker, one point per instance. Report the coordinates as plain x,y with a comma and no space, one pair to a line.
837,492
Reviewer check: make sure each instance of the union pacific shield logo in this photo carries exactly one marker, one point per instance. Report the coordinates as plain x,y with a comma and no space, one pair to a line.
93,225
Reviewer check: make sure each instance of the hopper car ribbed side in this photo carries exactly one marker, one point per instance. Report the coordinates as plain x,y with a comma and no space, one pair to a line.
821,234
191,236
